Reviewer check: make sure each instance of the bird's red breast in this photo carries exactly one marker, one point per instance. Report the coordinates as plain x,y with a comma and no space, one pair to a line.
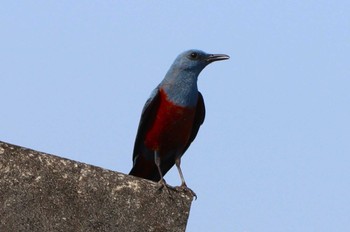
171,127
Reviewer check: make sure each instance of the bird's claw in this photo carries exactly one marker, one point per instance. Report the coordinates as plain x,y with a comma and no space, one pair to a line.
162,184
184,188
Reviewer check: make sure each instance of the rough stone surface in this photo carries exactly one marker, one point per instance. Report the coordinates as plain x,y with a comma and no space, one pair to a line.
42,192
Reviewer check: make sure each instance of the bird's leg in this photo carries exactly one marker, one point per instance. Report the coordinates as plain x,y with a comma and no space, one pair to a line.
183,183
161,182
157,162
178,162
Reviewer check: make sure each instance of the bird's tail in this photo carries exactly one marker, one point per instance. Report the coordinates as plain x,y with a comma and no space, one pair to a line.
145,169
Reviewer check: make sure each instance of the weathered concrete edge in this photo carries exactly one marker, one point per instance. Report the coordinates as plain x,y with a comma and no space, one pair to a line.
118,180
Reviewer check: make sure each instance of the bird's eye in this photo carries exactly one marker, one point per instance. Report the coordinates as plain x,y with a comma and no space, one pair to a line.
194,55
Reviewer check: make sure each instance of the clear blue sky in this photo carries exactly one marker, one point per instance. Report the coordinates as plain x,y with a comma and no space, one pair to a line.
274,151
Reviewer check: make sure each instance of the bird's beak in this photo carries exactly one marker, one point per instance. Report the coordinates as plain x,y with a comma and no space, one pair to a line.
216,57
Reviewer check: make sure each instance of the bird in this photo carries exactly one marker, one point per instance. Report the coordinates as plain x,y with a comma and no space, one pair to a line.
171,118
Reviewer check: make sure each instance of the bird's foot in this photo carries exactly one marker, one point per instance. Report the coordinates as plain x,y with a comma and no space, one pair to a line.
183,187
162,184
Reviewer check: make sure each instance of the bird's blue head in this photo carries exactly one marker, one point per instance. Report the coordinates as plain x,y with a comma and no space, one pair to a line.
194,61
180,82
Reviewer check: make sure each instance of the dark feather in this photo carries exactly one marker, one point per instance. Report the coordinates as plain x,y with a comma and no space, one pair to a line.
198,120
148,114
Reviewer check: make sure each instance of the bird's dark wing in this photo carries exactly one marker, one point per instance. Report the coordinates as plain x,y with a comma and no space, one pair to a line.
198,120
148,115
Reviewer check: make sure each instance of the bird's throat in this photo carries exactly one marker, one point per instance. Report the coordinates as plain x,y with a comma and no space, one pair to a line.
182,91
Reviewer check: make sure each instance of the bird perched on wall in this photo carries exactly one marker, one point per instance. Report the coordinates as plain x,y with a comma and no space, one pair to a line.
171,118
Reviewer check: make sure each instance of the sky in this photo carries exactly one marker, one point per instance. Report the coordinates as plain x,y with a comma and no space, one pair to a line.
274,151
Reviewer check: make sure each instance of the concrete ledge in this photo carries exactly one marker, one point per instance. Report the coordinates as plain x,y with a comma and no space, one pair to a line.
42,192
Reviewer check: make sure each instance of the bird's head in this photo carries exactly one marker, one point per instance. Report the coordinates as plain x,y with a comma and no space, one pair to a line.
196,60
180,82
